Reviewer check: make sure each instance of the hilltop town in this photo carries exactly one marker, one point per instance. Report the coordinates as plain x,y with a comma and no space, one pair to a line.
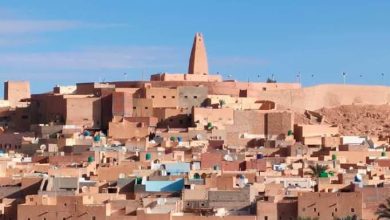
187,146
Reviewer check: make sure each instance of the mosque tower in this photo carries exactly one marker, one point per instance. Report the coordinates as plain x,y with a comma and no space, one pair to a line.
198,59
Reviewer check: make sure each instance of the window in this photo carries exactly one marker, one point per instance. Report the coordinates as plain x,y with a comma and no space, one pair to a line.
164,97
93,217
152,96
352,210
134,107
195,97
146,107
185,96
173,96
265,217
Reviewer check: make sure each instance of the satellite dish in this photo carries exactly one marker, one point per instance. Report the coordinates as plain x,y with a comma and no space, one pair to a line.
84,189
358,178
158,139
122,175
124,149
227,157
42,147
198,137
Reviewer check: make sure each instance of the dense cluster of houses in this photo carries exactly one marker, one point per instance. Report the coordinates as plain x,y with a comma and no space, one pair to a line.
181,147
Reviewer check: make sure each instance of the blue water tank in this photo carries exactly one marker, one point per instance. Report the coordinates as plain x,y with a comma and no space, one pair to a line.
87,133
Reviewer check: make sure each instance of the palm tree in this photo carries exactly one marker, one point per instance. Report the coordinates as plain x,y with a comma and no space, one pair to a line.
383,210
316,170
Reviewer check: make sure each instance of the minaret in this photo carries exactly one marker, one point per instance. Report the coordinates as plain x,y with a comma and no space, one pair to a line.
198,59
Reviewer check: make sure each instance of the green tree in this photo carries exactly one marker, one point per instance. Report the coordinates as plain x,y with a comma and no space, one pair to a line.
315,172
383,210
209,126
221,103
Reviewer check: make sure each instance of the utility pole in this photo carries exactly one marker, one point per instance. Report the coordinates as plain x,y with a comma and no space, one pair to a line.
344,77
299,77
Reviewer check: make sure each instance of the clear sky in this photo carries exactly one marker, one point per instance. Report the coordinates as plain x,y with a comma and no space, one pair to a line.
62,42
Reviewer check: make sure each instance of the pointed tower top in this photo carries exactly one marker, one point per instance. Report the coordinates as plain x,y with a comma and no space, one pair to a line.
198,59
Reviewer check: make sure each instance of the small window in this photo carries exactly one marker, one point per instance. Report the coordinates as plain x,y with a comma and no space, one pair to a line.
93,217
152,98
352,210
173,97
185,96
134,107
146,107
195,97
315,209
164,97
265,217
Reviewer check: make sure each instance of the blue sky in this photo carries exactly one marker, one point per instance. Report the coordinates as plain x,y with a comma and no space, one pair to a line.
63,42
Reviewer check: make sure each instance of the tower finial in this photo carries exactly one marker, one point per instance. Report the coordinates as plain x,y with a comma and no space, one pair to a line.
198,59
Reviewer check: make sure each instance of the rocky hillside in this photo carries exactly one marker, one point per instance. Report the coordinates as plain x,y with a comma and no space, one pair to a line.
372,120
